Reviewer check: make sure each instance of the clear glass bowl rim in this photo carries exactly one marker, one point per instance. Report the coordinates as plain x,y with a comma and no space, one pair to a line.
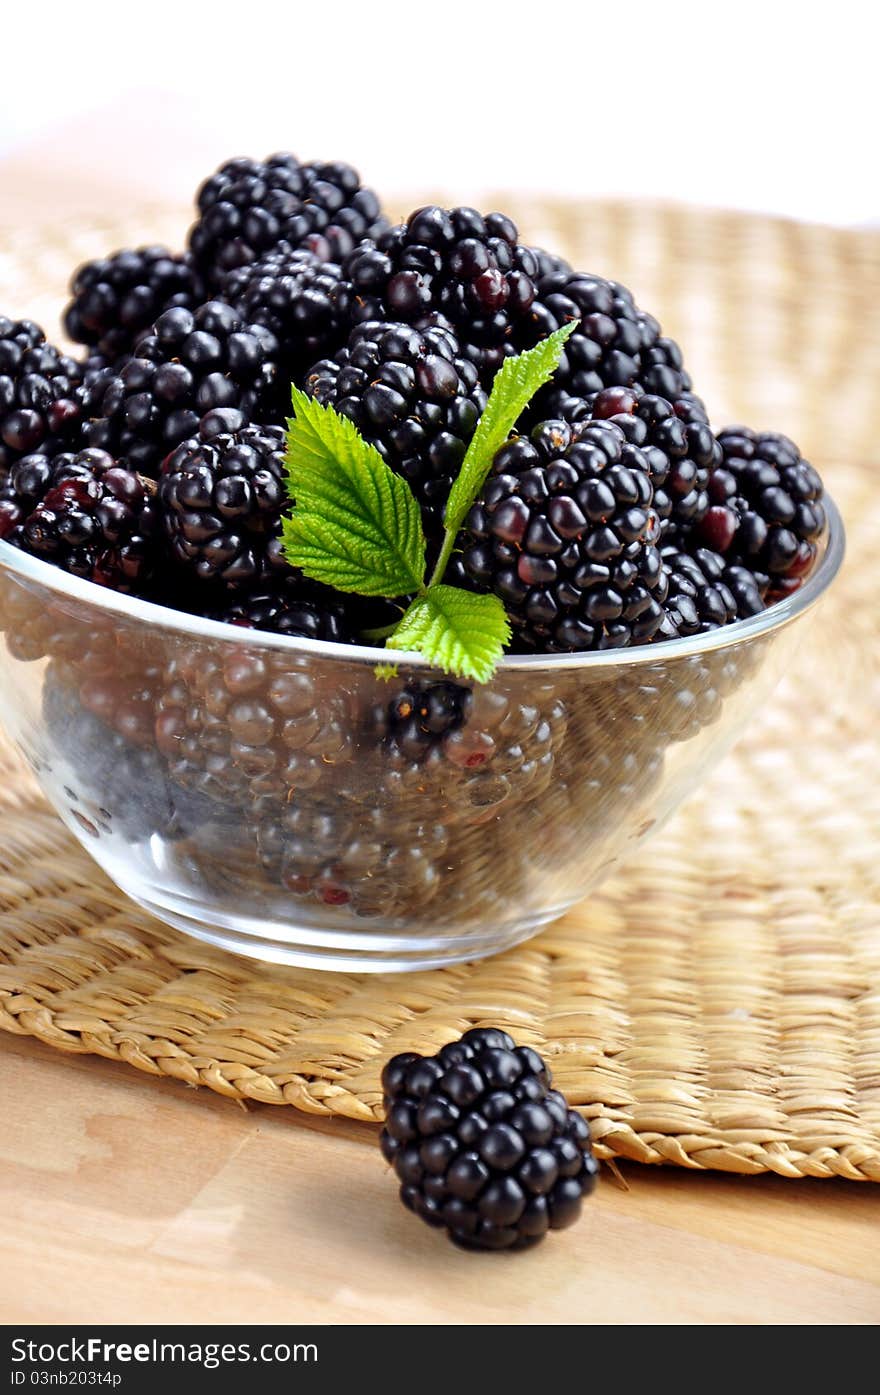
161,617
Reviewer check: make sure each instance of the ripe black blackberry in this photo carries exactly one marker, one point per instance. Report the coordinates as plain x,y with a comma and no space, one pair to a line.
300,298
566,534
187,364
766,513
96,519
412,395
116,297
250,206
615,344
40,394
700,595
468,268
483,1146
290,607
676,432
222,494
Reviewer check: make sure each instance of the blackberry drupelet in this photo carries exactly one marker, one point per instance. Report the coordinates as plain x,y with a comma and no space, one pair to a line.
250,206
40,394
116,297
766,513
411,394
700,596
565,533
222,494
96,519
288,607
188,363
300,298
457,263
481,1143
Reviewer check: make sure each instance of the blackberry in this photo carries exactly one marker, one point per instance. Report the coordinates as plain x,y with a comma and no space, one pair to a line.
243,725
565,533
483,1146
615,344
412,395
327,851
457,263
250,206
677,440
40,394
299,298
221,498
188,363
700,596
290,608
117,782
116,297
766,514
417,719
96,520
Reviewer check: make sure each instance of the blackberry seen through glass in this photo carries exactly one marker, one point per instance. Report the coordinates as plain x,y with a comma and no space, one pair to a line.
482,1144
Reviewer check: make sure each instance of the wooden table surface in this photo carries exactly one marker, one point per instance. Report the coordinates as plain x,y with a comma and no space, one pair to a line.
130,1199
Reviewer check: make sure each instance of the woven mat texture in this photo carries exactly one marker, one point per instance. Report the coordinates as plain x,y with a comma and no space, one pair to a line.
716,1005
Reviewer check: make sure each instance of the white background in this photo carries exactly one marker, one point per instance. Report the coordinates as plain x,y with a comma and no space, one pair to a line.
765,106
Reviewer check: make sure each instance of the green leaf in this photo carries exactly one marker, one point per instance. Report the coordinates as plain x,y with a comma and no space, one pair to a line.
516,382
456,630
355,524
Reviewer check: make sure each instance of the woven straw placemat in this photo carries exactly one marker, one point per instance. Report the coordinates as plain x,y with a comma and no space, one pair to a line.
716,1005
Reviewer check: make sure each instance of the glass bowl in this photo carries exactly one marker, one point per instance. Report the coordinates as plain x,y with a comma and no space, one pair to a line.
250,790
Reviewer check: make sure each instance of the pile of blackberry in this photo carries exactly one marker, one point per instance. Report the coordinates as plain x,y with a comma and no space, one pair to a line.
483,1146
613,516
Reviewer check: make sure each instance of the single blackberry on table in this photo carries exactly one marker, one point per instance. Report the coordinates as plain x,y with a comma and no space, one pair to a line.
288,607
116,297
96,519
699,595
222,494
187,364
766,513
411,394
40,394
566,534
300,298
483,1146
457,263
250,206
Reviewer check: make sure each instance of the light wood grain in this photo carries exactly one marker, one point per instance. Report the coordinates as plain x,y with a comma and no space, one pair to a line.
134,1200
